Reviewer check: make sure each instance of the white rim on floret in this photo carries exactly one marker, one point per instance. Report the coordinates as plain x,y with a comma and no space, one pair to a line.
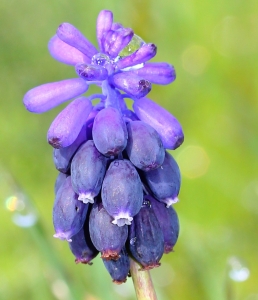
63,236
170,201
122,219
86,197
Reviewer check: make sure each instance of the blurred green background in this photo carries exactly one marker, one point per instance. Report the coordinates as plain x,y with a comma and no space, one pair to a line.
214,48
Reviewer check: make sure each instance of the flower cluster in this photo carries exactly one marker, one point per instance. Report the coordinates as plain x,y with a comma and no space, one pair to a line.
117,182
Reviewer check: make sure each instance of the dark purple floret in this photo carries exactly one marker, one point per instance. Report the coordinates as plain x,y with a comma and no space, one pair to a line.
168,221
144,147
59,181
122,192
109,132
82,246
118,269
63,156
145,238
165,181
108,238
69,214
87,172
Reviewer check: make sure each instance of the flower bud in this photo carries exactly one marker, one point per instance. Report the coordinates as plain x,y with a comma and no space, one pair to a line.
144,146
87,172
168,222
73,37
104,23
109,132
122,193
108,238
135,86
46,96
82,246
68,213
145,238
63,156
118,269
66,53
67,125
165,181
158,73
145,53
160,119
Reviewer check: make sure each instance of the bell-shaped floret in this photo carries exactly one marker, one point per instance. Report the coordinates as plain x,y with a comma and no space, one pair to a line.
134,86
46,96
118,269
165,181
87,171
144,146
73,37
109,132
68,213
66,53
90,72
155,72
108,238
67,125
160,119
168,221
145,238
82,246
122,192
62,157
104,24
143,54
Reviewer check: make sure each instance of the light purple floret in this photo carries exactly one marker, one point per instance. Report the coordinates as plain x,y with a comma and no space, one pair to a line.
68,123
66,53
46,96
73,37
160,119
158,73
104,23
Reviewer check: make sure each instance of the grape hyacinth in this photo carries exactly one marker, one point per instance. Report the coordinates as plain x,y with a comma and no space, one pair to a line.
117,180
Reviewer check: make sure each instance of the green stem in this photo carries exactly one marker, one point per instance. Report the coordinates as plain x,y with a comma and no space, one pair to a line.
143,285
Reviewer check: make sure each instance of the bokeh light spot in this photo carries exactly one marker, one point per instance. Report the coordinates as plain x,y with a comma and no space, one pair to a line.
195,59
237,269
193,161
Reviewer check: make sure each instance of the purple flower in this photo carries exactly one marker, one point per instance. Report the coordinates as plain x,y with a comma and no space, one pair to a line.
107,151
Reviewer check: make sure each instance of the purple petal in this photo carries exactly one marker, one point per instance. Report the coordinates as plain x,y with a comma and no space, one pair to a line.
104,23
121,39
160,119
46,96
91,73
65,53
158,73
145,53
68,123
132,85
116,26
73,37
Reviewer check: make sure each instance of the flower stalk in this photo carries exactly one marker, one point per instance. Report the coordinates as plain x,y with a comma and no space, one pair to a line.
142,281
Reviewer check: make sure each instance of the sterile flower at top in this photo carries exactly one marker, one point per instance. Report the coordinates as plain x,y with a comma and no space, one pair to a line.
110,157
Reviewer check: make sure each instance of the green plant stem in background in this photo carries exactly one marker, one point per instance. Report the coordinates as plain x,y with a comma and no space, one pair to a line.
143,285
